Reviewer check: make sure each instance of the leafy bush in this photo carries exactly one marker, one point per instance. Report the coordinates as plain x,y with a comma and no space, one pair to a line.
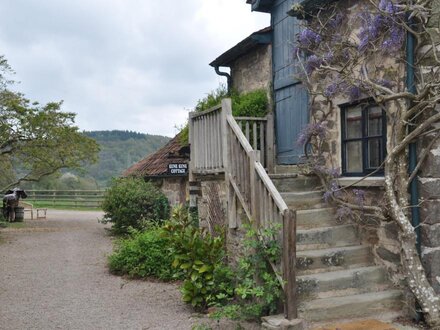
252,104
143,255
212,99
201,258
133,203
257,290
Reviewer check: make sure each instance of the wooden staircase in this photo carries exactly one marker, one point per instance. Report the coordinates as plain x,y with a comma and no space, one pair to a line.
327,273
336,275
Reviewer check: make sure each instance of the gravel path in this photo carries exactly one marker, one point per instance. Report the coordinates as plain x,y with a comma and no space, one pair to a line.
54,276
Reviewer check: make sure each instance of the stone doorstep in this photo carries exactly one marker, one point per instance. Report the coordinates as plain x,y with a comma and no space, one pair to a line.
278,322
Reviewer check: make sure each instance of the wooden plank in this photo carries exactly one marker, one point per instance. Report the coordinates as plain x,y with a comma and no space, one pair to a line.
226,110
192,147
238,133
255,135
247,131
215,171
205,145
270,143
240,198
240,119
289,264
271,187
217,137
263,160
210,146
232,202
254,189
202,113
194,144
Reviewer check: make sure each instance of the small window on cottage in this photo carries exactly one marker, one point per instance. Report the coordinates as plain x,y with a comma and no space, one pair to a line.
363,139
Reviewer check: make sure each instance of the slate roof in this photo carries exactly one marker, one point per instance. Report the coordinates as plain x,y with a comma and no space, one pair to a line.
261,37
156,164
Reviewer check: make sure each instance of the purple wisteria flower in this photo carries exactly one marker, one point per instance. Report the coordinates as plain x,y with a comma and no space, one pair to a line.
343,212
331,89
395,40
308,38
354,92
336,20
385,83
313,62
388,6
313,129
385,23
359,196
333,191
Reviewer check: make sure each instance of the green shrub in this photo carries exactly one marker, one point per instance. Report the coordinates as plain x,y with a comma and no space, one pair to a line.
133,203
201,258
257,290
212,99
146,254
251,104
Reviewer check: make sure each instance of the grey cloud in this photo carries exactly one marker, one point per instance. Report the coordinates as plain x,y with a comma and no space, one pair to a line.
130,63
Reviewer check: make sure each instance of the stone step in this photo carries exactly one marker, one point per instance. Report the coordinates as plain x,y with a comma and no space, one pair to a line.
315,261
286,169
293,182
304,200
312,218
342,283
353,306
326,237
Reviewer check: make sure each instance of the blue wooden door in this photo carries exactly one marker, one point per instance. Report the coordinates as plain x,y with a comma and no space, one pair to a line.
290,96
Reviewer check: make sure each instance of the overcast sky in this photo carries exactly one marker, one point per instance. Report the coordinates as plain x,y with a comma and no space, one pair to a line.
122,64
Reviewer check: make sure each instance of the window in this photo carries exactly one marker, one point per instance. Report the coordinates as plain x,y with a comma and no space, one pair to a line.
363,139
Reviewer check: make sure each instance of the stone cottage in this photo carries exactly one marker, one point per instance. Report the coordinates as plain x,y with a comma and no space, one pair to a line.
167,168
342,270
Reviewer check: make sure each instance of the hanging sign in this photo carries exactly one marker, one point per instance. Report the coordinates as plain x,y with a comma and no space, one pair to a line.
178,169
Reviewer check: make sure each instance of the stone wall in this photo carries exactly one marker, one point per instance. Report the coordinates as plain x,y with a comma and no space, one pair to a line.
253,70
212,203
175,189
212,210
429,189
381,235
429,181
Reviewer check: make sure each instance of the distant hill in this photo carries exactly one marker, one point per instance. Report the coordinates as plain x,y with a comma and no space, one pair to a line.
119,150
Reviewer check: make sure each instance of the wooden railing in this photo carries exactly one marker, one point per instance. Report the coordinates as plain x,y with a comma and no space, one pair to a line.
248,184
66,198
206,129
259,133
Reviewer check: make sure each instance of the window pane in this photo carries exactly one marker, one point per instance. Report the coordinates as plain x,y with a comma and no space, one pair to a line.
353,154
374,121
353,123
374,153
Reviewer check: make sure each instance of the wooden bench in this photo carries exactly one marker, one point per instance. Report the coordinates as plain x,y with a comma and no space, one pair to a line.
28,207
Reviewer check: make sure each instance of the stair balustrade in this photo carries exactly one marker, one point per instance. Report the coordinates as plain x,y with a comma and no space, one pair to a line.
218,145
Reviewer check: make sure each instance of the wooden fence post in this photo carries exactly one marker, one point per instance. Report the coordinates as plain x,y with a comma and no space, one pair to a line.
270,143
289,264
255,198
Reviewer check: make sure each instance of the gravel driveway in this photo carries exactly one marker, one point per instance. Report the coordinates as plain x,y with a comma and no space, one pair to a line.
54,276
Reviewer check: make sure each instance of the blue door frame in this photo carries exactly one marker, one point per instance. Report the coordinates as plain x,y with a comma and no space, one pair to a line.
290,96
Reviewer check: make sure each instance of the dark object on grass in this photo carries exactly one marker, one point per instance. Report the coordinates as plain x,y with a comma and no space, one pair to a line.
10,202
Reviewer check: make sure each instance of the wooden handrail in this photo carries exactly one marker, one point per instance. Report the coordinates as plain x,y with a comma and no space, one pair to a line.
282,206
246,181
202,113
